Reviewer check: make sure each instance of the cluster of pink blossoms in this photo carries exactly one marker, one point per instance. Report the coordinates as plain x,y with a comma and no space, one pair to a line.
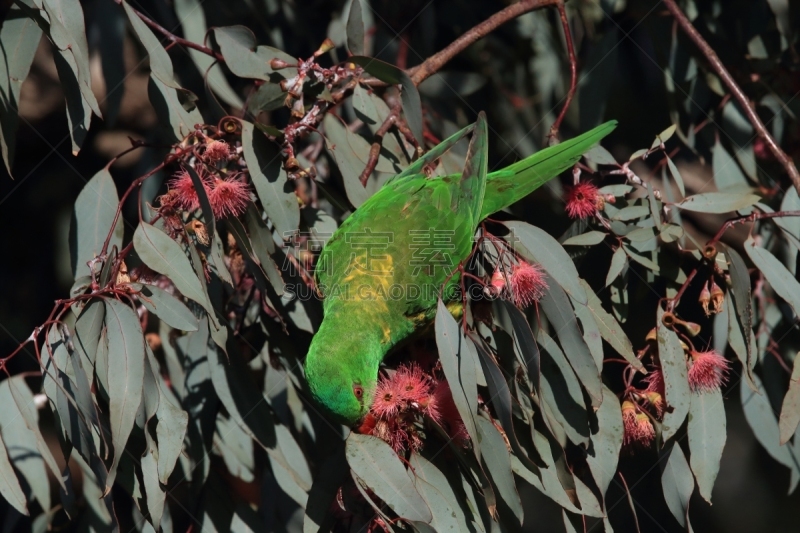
707,372
404,400
228,196
525,285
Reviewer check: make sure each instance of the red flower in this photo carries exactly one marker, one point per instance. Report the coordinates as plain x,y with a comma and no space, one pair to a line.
637,428
645,432
707,371
217,151
527,284
582,200
655,381
412,384
387,401
229,197
183,191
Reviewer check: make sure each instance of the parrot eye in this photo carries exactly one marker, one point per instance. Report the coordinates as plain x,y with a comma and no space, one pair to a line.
358,391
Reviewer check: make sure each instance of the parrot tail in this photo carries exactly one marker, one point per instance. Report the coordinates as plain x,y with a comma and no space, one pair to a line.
514,182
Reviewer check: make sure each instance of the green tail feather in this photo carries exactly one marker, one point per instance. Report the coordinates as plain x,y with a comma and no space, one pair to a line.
515,182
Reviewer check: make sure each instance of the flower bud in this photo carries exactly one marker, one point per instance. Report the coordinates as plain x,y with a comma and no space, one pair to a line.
277,64
198,229
122,274
326,46
705,299
717,297
656,401
691,328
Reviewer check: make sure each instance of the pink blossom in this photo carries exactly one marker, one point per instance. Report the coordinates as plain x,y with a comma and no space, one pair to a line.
655,381
412,384
387,401
582,200
229,197
707,371
183,191
216,151
645,432
527,284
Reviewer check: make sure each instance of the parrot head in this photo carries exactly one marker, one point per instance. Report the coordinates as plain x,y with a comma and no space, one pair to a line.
342,373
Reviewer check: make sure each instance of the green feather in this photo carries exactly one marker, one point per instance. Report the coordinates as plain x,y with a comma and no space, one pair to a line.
382,271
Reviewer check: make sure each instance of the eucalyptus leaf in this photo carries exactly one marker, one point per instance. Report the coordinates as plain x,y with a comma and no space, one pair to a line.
92,216
718,202
676,381
610,329
355,29
125,375
556,305
379,467
677,483
781,280
10,488
456,356
498,465
618,261
165,256
167,308
761,418
589,238
707,434
19,39
727,174
603,455
270,180
790,409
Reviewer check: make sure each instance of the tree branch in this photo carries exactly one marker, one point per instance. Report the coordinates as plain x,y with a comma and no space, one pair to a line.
735,90
573,67
375,149
174,38
431,65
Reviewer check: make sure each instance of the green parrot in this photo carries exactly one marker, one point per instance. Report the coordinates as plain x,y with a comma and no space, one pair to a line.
382,272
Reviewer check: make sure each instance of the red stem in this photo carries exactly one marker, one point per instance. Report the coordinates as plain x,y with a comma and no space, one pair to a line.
735,90
573,67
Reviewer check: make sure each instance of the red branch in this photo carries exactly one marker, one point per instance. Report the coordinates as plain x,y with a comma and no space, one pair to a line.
375,149
573,68
174,38
710,249
735,90
435,62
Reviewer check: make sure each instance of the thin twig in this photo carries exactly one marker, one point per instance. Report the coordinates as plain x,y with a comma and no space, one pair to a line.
174,38
375,149
711,245
435,62
735,90
630,501
573,68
